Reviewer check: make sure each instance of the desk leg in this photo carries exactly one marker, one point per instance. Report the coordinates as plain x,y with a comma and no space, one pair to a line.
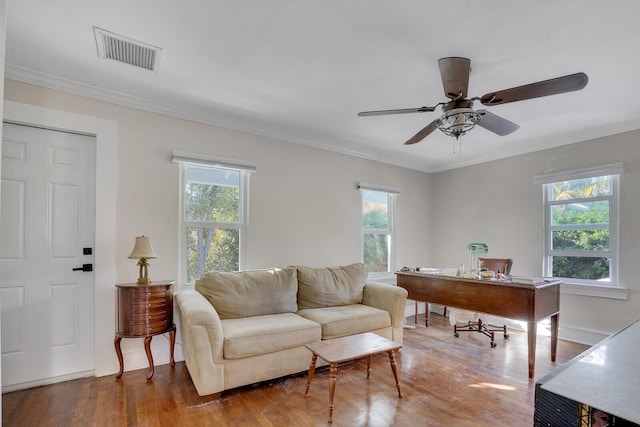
147,349
426,314
116,343
554,336
532,330
172,344
312,370
333,371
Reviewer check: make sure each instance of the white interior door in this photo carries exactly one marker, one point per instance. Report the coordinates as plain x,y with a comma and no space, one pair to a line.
47,222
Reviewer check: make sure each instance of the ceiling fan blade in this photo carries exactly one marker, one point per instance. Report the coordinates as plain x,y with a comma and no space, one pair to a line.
569,83
496,124
423,133
398,111
455,76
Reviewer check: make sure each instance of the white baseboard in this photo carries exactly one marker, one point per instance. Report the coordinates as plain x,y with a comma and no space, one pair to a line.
582,335
46,381
135,357
565,332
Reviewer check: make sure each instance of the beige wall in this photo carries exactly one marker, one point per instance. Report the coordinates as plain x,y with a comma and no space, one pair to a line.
498,203
304,205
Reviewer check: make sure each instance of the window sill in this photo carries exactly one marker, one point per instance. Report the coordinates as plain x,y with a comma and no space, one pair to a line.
594,290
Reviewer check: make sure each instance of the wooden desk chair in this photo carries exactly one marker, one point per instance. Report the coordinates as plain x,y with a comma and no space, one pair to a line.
497,265
502,265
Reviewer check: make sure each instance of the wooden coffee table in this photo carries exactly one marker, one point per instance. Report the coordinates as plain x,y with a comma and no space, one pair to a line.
349,348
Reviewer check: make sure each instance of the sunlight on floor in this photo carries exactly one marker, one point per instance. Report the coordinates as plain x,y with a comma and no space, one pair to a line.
544,327
494,386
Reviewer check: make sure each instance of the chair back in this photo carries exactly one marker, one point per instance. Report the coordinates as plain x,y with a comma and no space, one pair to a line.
503,265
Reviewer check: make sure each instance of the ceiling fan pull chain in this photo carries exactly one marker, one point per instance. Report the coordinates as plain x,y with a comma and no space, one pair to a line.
457,139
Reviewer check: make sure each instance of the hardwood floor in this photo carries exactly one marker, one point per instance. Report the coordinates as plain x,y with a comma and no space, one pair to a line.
445,381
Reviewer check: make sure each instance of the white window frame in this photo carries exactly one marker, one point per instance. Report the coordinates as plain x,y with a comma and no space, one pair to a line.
244,169
612,288
392,194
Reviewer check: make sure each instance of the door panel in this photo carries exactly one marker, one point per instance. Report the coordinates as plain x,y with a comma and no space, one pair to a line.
47,216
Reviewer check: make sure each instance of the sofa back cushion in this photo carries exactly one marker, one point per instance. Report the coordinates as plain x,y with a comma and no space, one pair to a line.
251,292
332,286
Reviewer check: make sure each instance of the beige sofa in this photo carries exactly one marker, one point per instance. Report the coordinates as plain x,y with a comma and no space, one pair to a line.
251,326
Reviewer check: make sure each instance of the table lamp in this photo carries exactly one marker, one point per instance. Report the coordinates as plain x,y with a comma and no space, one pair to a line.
476,250
142,251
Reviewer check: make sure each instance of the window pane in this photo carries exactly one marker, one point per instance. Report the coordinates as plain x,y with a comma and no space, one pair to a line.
376,252
581,240
580,226
581,268
375,210
582,188
211,249
581,213
212,194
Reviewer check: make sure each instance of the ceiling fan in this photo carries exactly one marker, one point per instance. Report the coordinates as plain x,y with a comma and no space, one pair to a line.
459,117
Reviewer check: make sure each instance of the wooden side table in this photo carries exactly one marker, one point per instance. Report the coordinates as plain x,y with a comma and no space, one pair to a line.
144,310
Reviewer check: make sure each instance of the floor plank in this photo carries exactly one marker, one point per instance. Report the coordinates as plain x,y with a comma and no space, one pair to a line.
445,381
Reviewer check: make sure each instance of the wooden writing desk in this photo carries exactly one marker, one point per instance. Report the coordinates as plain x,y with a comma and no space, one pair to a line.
529,303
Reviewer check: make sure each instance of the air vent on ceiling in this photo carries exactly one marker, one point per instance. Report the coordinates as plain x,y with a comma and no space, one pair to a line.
124,49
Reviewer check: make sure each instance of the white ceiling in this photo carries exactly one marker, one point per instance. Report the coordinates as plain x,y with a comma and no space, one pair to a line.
301,70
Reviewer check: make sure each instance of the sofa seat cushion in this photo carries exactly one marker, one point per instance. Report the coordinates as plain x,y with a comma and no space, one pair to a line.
328,287
250,336
345,320
250,293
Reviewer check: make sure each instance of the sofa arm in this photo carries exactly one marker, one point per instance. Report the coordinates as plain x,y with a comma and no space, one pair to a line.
390,298
202,341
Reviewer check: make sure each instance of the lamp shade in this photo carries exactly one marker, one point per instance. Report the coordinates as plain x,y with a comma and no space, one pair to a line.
142,249
478,249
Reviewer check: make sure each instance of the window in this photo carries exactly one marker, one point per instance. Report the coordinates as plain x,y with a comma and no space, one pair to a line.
377,228
581,228
213,216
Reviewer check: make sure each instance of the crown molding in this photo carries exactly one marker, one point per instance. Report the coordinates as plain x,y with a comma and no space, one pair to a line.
50,81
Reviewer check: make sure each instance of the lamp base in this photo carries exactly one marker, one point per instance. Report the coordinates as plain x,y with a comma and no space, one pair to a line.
144,280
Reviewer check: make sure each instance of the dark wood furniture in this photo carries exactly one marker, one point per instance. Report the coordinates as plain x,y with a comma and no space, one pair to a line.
142,311
349,348
527,302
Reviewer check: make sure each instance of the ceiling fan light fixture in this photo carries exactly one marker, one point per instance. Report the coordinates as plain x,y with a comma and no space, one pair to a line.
458,121
459,117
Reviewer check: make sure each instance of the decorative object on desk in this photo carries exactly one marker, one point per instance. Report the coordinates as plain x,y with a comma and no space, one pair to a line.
142,251
476,250
527,280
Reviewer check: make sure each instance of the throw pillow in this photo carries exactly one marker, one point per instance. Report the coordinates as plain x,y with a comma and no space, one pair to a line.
332,286
251,292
